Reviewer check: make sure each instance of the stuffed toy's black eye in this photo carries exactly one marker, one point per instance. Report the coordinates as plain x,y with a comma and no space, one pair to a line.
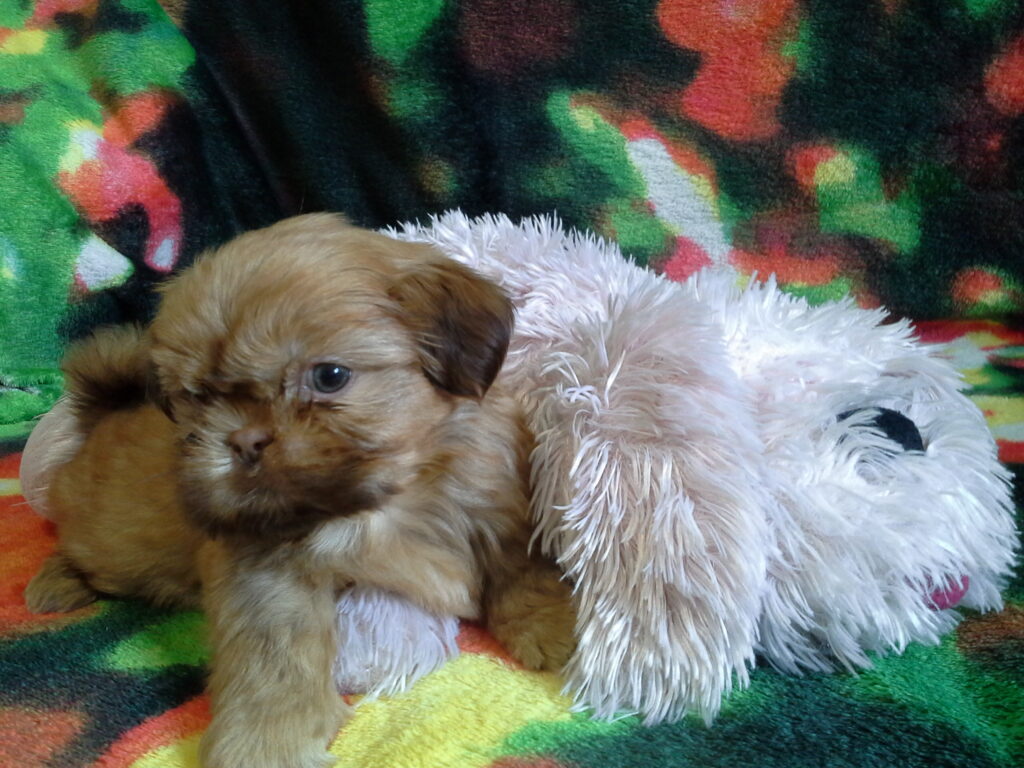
329,377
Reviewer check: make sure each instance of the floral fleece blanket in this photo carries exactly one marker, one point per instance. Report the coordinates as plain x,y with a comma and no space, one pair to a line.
873,148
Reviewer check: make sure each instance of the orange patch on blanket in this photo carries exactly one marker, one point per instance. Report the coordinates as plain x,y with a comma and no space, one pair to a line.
30,739
475,639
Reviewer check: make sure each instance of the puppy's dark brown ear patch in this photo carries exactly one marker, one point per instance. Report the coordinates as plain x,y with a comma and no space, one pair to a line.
462,323
155,393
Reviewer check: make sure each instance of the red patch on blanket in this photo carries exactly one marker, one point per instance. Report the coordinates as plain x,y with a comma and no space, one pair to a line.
173,725
28,540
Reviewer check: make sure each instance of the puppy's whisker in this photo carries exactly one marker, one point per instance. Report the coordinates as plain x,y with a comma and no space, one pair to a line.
307,416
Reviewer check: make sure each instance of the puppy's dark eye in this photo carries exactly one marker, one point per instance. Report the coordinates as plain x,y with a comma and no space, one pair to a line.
329,377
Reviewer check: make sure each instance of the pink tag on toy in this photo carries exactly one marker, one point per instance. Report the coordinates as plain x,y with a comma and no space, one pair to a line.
950,595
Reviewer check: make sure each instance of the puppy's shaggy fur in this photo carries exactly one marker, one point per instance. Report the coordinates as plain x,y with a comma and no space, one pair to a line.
307,412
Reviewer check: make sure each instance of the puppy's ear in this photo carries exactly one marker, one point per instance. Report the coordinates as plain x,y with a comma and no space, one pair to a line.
462,323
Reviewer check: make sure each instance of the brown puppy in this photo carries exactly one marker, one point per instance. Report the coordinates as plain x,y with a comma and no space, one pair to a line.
326,386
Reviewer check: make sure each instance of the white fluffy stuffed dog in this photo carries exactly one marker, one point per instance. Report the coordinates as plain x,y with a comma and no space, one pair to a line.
716,472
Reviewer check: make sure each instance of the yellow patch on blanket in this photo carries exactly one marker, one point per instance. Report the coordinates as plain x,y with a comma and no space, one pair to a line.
455,717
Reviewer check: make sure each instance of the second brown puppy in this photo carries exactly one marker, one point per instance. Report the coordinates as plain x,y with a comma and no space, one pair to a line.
324,423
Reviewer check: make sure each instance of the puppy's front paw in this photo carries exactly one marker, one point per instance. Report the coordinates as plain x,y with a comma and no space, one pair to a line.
543,640
57,588
240,739
217,755
534,619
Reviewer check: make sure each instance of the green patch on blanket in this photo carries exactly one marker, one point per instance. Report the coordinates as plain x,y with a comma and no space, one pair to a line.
24,394
178,639
793,722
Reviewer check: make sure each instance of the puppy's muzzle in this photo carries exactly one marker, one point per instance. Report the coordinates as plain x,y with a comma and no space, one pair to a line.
249,443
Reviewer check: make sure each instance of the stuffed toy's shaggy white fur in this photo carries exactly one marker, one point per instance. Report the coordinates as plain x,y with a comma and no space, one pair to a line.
386,642
711,475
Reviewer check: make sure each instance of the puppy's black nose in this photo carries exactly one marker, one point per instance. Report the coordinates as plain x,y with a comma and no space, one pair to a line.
249,443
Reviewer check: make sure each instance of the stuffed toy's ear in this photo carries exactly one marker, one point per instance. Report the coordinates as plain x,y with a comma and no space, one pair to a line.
462,323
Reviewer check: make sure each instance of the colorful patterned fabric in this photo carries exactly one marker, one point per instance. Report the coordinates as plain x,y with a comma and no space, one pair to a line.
119,684
99,180
868,147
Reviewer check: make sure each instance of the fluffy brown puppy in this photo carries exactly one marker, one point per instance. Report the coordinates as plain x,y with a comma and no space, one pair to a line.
326,424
